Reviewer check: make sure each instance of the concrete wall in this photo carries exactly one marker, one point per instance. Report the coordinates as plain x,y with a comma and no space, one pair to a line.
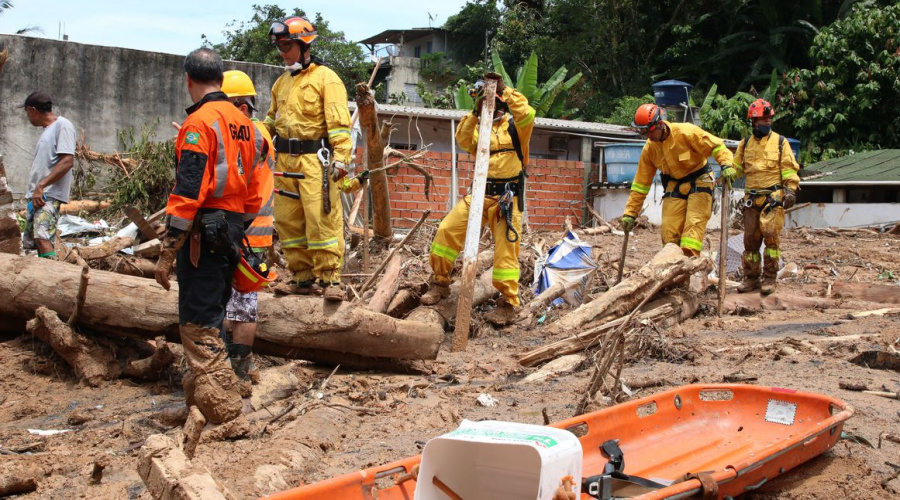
404,72
844,215
102,90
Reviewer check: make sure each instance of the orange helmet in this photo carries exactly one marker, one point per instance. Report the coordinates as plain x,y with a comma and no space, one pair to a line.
293,28
760,108
646,118
252,274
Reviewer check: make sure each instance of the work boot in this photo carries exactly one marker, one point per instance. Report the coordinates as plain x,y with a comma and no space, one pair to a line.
750,267
293,288
242,362
435,293
334,292
770,273
504,314
212,384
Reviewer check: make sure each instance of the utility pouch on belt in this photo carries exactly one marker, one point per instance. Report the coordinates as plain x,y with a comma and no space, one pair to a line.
214,230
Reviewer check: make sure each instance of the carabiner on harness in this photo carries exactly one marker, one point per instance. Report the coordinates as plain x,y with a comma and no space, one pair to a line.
324,156
506,212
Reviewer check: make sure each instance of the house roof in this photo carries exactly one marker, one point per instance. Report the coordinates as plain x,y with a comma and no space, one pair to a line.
394,36
868,167
571,126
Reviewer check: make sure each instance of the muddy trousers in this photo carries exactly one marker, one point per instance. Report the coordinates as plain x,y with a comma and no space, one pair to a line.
203,292
684,221
311,240
759,228
451,237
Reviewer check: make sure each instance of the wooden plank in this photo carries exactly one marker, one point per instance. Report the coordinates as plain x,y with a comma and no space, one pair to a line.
147,248
888,311
147,232
724,207
473,229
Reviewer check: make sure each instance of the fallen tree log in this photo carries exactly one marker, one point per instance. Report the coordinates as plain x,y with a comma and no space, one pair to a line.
675,307
76,207
543,300
388,285
125,305
444,312
92,363
869,292
668,267
735,304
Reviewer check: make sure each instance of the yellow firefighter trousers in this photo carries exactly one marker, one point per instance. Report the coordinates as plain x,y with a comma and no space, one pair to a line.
762,227
312,241
451,237
684,221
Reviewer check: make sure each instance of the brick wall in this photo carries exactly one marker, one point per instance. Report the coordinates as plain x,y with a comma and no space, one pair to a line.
554,189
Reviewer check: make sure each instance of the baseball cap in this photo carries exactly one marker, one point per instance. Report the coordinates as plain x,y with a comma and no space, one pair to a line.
38,100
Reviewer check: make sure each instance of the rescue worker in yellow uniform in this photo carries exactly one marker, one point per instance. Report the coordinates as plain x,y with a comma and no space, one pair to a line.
679,152
243,308
310,124
768,162
216,196
513,122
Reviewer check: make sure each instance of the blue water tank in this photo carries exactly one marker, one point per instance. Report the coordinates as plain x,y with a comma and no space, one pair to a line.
671,92
795,146
621,161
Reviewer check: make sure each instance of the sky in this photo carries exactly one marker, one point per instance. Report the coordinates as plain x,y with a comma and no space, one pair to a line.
175,27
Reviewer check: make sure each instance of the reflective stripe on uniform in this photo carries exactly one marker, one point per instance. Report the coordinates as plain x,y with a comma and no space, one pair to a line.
267,209
751,256
691,243
718,148
294,243
339,131
773,253
221,164
260,231
444,252
786,173
505,275
640,188
528,119
179,223
321,244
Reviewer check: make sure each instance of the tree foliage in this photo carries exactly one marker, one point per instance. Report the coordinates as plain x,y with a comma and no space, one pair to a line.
849,100
249,41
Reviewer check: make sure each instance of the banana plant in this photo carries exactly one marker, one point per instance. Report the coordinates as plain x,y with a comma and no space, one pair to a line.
548,100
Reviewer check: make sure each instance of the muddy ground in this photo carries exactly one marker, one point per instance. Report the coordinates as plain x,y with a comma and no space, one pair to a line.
361,419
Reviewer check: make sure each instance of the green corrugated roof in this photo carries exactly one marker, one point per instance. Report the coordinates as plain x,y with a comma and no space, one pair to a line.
879,165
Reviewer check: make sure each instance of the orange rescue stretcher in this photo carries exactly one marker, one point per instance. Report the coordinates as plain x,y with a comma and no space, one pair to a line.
696,441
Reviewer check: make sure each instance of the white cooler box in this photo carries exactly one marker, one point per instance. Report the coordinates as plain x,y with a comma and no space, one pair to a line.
495,460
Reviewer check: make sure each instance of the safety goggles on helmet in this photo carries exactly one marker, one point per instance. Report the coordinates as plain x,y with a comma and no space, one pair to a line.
293,28
646,118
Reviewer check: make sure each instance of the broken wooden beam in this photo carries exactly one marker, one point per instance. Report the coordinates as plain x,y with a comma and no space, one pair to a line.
169,474
105,249
388,285
669,266
675,307
473,227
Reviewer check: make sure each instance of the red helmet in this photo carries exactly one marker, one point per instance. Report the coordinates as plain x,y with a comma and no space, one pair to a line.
252,274
646,118
760,108
293,28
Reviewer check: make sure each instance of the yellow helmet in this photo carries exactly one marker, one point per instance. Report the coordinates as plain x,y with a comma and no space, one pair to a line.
237,84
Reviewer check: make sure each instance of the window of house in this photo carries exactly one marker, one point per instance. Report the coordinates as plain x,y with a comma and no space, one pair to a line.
428,47
412,94
417,52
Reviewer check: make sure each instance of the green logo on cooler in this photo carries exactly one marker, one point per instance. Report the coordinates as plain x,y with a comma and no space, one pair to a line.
540,440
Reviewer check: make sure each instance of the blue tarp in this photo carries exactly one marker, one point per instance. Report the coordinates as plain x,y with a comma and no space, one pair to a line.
569,261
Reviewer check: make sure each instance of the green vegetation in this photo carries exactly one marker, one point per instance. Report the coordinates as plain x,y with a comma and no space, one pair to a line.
146,186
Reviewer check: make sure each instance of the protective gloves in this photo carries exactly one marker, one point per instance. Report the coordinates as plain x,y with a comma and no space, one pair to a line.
167,251
790,198
338,170
729,174
627,223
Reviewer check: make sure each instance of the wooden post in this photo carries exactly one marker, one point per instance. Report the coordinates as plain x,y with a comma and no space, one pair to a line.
473,229
454,175
586,150
725,206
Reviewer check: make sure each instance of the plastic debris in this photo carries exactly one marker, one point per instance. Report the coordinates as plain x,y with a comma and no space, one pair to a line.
569,261
48,432
486,400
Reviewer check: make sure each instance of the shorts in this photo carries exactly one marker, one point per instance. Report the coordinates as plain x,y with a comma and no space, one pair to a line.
40,224
242,307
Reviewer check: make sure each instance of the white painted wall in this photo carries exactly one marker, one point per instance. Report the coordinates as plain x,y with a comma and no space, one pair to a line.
610,203
844,215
